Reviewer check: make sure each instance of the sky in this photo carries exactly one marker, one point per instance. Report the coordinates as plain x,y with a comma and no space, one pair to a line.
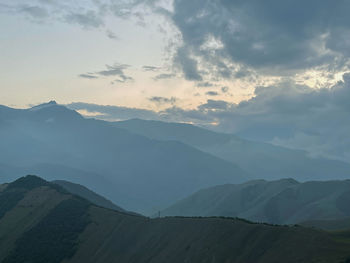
271,70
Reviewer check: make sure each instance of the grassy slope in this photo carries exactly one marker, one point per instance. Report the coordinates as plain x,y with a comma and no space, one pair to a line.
331,225
65,225
2,187
35,205
114,237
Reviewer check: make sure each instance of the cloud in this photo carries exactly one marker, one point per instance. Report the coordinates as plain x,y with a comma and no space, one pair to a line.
214,105
212,93
88,19
188,64
271,37
163,100
34,11
112,113
112,35
88,76
116,70
294,116
224,89
205,84
87,14
286,114
164,76
151,68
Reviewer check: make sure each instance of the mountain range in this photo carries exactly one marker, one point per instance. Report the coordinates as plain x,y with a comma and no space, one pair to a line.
144,166
42,222
139,173
260,160
284,201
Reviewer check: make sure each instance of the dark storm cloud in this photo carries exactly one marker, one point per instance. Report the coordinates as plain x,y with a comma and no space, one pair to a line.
272,36
188,65
290,115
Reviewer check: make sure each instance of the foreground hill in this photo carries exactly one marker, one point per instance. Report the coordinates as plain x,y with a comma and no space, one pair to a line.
139,173
40,222
261,160
330,224
284,201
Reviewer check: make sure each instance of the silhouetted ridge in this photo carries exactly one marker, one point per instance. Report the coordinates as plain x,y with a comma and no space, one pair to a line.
50,226
28,182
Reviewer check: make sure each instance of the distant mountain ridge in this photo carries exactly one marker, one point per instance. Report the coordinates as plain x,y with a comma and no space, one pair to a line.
41,222
260,160
139,173
284,201
89,195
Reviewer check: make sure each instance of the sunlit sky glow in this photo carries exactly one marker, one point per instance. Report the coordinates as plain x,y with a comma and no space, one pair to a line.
158,54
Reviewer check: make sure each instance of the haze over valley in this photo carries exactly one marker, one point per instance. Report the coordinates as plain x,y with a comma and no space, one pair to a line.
174,131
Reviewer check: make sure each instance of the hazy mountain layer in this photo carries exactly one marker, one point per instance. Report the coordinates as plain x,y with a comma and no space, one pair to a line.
282,202
262,160
41,222
89,195
139,173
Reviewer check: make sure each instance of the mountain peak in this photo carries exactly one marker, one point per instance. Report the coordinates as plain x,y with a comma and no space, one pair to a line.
28,182
51,112
52,102
44,105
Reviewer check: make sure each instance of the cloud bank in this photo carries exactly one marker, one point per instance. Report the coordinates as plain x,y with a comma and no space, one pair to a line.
287,114
232,38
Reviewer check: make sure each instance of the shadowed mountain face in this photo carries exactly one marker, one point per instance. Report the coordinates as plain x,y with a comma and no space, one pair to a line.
40,222
281,202
139,173
261,160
